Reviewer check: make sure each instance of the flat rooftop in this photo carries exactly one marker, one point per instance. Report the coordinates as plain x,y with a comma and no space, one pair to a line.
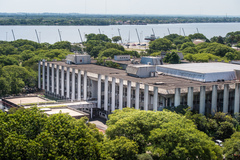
205,72
25,100
64,110
204,67
168,82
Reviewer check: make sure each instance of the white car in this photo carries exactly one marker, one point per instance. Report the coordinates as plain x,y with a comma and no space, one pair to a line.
218,142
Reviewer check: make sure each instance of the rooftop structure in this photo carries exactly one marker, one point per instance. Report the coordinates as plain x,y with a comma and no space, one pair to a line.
122,57
204,72
78,59
151,60
141,71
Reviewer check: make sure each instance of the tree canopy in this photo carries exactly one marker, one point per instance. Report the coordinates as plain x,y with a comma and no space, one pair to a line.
165,135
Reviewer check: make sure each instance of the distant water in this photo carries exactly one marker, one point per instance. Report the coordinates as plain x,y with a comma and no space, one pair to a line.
70,33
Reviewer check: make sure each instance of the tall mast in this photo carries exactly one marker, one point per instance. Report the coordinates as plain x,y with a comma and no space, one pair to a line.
80,35
60,35
37,36
138,36
13,35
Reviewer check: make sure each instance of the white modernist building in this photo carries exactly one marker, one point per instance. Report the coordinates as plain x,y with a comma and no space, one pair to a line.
114,89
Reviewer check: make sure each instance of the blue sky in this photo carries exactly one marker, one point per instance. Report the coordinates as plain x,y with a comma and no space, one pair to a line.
156,7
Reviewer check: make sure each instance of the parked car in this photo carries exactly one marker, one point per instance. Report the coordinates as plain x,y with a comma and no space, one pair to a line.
218,142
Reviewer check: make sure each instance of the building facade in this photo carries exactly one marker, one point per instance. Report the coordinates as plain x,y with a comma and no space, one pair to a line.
114,89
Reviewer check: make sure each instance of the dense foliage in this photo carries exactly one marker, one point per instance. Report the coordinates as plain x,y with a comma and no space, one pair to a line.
164,135
231,148
18,63
88,19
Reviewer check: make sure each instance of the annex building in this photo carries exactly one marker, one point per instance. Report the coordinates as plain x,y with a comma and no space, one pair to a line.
205,87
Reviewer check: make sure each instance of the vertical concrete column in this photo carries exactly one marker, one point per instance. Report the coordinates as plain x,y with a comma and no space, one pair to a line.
48,77
73,83
225,98
113,93
129,94
202,100
146,88
62,81
39,74
43,74
85,86
236,100
57,80
137,95
164,101
106,94
177,97
120,94
190,97
68,82
79,85
155,99
214,100
53,84
99,90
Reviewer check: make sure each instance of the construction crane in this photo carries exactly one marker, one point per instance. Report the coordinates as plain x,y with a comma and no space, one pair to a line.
153,32
80,35
138,37
197,30
183,32
60,35
120,35
13,35
169,31
37,36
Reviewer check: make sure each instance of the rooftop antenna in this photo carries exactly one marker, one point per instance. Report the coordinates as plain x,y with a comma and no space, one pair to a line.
80,35
60,35
138,37
183,32
37,36
99,31
197,30
169,31
13,35
153,32
120,35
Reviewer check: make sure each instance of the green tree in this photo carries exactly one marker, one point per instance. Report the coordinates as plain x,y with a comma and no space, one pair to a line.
61,45
30,134
120,148
166,135
172,58
161,44
225,130
231,148
110,53
116,39
174,141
